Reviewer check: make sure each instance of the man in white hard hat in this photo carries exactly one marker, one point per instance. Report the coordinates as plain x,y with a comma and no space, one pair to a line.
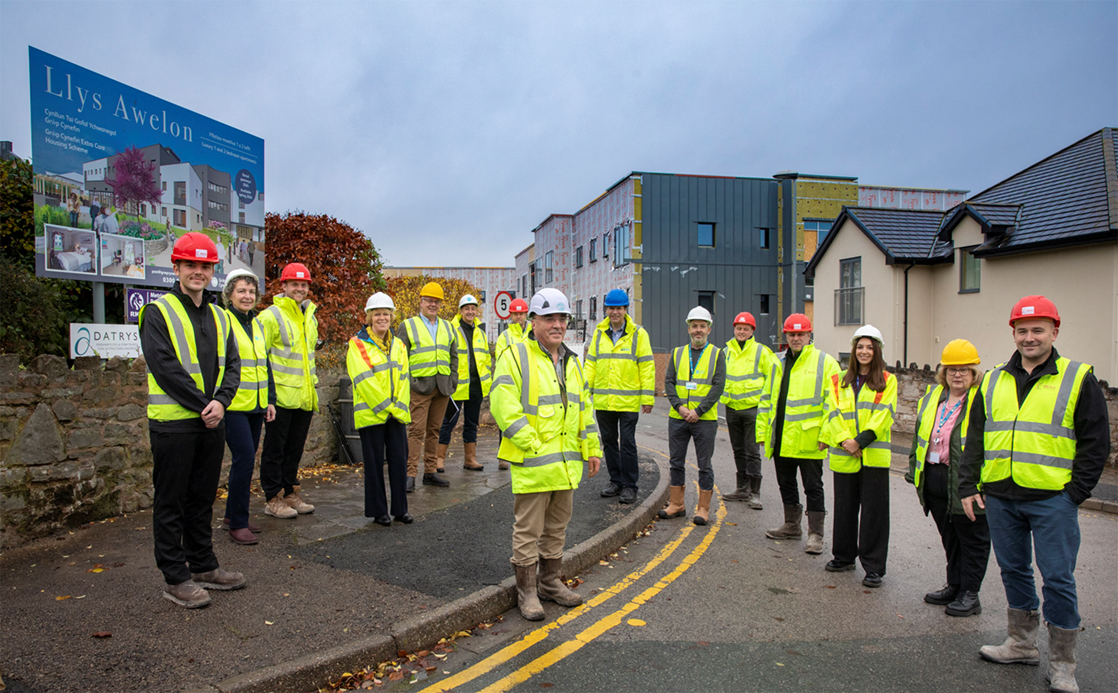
542,404
694,382
474,379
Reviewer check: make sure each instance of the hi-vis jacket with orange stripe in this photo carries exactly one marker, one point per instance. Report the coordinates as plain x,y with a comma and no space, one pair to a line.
380,381
850,416
622,376
291,333
805,409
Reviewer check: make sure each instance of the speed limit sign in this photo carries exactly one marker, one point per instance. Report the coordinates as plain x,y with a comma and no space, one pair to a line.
501,303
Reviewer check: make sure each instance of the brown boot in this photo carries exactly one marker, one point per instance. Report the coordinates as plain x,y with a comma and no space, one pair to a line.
296,503
551,586
440,458
502,464
755,496
675,505
791,529
526,596
815,532
471,458
702,513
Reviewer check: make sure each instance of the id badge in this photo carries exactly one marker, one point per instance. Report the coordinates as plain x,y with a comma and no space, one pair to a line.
691,385
933,457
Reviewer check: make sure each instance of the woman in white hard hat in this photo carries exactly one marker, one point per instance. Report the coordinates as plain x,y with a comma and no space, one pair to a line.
378,366
863,403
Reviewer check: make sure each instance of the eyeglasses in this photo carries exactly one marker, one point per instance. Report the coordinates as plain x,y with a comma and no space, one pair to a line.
958,371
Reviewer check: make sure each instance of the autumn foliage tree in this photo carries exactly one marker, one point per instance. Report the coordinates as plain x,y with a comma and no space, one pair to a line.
405,294
345,267
133,181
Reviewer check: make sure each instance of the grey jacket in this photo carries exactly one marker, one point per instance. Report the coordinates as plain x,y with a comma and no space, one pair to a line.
426,385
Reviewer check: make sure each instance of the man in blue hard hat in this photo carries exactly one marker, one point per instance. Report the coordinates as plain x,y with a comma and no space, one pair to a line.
622,379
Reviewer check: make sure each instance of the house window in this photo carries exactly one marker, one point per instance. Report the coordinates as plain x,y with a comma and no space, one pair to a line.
164,213
481,297
180,218
706,234
524,285
706,300
851,294
593,250
970,271
763,238
534,279
578,256
164,184
605,244
578,309
764,304
593,307
549,270
620,246
819,226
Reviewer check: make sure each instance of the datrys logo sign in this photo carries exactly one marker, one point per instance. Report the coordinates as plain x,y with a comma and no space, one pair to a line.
105,341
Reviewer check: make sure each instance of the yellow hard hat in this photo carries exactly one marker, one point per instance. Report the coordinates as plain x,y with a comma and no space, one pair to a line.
959,352
432,290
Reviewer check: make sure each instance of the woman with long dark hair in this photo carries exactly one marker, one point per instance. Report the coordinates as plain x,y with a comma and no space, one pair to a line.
864,401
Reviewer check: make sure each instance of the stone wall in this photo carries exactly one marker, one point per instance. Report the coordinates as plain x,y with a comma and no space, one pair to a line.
74,442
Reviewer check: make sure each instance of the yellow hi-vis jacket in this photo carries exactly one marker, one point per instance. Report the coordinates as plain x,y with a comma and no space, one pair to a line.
430,356
745,373
513,334
480,348
702,378
291,332
872,411
926,412
806,408
252,393
545,439
380,381
161,406
622,376
1033,442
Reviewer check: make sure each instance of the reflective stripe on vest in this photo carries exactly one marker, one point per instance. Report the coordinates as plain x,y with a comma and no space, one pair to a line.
743,390
380,387
480,347
252,393
618,372
704,376
161,406
925,421
293,358
428,356
879,453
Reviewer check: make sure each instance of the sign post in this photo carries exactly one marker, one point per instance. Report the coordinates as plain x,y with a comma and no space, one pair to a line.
501,303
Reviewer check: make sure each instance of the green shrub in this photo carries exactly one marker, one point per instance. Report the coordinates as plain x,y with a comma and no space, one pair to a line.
34,320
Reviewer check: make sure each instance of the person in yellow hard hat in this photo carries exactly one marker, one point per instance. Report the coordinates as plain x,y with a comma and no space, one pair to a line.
942,417
432,345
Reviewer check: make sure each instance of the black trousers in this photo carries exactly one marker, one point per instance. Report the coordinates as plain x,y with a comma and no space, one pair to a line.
679,434
811,473
965,543
186,468
865,493
618,433
742,424
284,438
472,409
386,442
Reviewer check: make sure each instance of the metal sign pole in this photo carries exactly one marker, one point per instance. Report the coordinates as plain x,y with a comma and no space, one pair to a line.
99,303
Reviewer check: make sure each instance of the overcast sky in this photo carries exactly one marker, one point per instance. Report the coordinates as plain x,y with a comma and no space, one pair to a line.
447,131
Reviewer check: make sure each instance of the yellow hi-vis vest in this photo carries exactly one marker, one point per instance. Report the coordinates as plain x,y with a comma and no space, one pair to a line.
745,373
622,376
480,347
806,408
702,378
252,393
513,334
848,417
429,356
925,421
1033,442
161,406
292,334
380,382
545,440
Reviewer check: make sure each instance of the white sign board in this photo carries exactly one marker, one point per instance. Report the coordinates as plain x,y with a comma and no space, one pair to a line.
501,303
106,341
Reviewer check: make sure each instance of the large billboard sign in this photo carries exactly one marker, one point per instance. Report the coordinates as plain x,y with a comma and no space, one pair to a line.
120,174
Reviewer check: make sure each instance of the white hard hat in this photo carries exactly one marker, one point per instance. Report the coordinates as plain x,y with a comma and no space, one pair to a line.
868,331
700,313
380,300
549,301
239,273
468,300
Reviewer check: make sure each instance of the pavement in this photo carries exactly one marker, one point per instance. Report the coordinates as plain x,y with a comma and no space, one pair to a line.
326,591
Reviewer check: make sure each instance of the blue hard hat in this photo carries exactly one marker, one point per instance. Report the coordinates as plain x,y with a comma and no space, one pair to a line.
617,297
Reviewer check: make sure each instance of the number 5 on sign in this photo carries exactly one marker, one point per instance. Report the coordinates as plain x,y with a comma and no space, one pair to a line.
501,303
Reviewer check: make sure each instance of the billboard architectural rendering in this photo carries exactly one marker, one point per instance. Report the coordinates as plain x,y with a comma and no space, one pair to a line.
121,174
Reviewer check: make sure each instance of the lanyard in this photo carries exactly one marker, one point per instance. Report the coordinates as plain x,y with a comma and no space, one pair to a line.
691,357
942,419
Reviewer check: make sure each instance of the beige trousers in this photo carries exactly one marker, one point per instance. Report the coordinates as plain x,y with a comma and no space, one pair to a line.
423,432
540,525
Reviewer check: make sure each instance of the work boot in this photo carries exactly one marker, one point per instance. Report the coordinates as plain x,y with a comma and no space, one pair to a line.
943,596
440,458
471,458
296,503
611,490
1061,660
791,528
277,508
755,495
219,579
551,586
243,536
967,604
251,527
702,512
435,479
1020,646
187,594
744,491
628,496
502,465
526,597
815,532
675,504
409,485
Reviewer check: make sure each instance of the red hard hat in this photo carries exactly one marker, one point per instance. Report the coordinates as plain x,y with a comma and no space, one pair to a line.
518,305
1034,307
797,322
295,270
745,318
195,246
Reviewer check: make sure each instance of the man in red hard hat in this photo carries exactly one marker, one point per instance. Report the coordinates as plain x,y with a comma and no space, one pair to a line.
1038,440
194,370
747,363
291,334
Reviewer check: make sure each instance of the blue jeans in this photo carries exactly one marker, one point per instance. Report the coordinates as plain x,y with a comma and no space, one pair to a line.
1054,526
242,434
